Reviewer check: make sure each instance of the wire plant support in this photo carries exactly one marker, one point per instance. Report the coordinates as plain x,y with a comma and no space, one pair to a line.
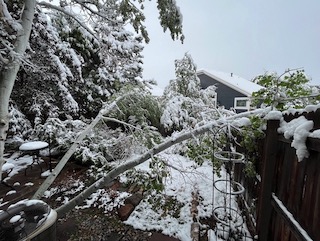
229,221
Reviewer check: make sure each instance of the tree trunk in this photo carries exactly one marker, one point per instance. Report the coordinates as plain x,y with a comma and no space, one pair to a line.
102,182
9,71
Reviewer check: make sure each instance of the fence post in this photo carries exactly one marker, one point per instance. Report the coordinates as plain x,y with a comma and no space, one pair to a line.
267,175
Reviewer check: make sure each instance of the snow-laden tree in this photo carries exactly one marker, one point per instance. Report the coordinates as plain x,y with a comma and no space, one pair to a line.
186,82
75,74
46,86
20,128
290,89
16,18
186,104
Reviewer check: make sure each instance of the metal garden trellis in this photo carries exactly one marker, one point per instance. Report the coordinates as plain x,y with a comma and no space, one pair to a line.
229,219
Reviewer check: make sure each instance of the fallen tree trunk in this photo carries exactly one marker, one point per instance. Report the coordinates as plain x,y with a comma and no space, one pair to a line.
135,161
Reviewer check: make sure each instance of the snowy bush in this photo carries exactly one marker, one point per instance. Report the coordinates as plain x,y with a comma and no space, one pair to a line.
139,108
177,114
104,145
19,127
60,134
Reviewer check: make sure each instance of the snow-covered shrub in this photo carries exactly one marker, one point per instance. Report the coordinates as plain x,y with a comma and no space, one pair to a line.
60,134
177,114
19,128
139,108
138,115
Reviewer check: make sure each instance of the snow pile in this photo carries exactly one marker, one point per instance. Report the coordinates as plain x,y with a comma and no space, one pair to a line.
299,129
273,115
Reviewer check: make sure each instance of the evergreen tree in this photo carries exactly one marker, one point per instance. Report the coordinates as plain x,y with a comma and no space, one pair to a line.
71,74
43,88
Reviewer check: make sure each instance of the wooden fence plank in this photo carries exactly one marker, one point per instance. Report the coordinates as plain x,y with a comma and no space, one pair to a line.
295,184
285,174
316,217
294,226
307,211
298,193
267,175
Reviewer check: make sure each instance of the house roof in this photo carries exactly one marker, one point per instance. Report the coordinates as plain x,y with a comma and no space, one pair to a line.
233,81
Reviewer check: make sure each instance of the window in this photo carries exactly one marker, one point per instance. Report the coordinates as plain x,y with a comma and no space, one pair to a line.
241,103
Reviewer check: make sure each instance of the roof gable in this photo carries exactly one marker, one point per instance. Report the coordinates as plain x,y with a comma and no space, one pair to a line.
235,82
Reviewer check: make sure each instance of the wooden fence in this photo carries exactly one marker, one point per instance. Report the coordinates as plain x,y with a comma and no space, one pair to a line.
287,191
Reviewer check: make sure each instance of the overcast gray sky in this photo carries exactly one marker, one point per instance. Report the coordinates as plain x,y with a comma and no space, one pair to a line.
246,37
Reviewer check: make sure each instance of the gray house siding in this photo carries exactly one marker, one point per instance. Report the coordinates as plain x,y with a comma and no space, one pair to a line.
225,94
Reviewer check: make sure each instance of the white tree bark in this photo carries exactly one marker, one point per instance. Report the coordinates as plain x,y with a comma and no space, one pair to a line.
10,69
104,181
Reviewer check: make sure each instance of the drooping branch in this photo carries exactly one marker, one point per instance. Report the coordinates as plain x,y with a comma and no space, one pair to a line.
84,5
52,6
120,122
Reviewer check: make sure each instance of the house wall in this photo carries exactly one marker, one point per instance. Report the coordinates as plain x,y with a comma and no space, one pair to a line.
225,94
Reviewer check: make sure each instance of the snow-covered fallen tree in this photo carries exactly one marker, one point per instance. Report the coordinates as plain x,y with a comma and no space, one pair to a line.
138,159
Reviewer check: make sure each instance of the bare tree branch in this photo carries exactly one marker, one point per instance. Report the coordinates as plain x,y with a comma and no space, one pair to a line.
120,122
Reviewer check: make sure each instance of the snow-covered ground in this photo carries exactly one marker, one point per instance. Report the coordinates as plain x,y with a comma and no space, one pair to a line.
185,178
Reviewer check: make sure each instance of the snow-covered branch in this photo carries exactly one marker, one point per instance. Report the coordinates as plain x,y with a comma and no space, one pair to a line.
120,122
52,6
5,14
97,13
